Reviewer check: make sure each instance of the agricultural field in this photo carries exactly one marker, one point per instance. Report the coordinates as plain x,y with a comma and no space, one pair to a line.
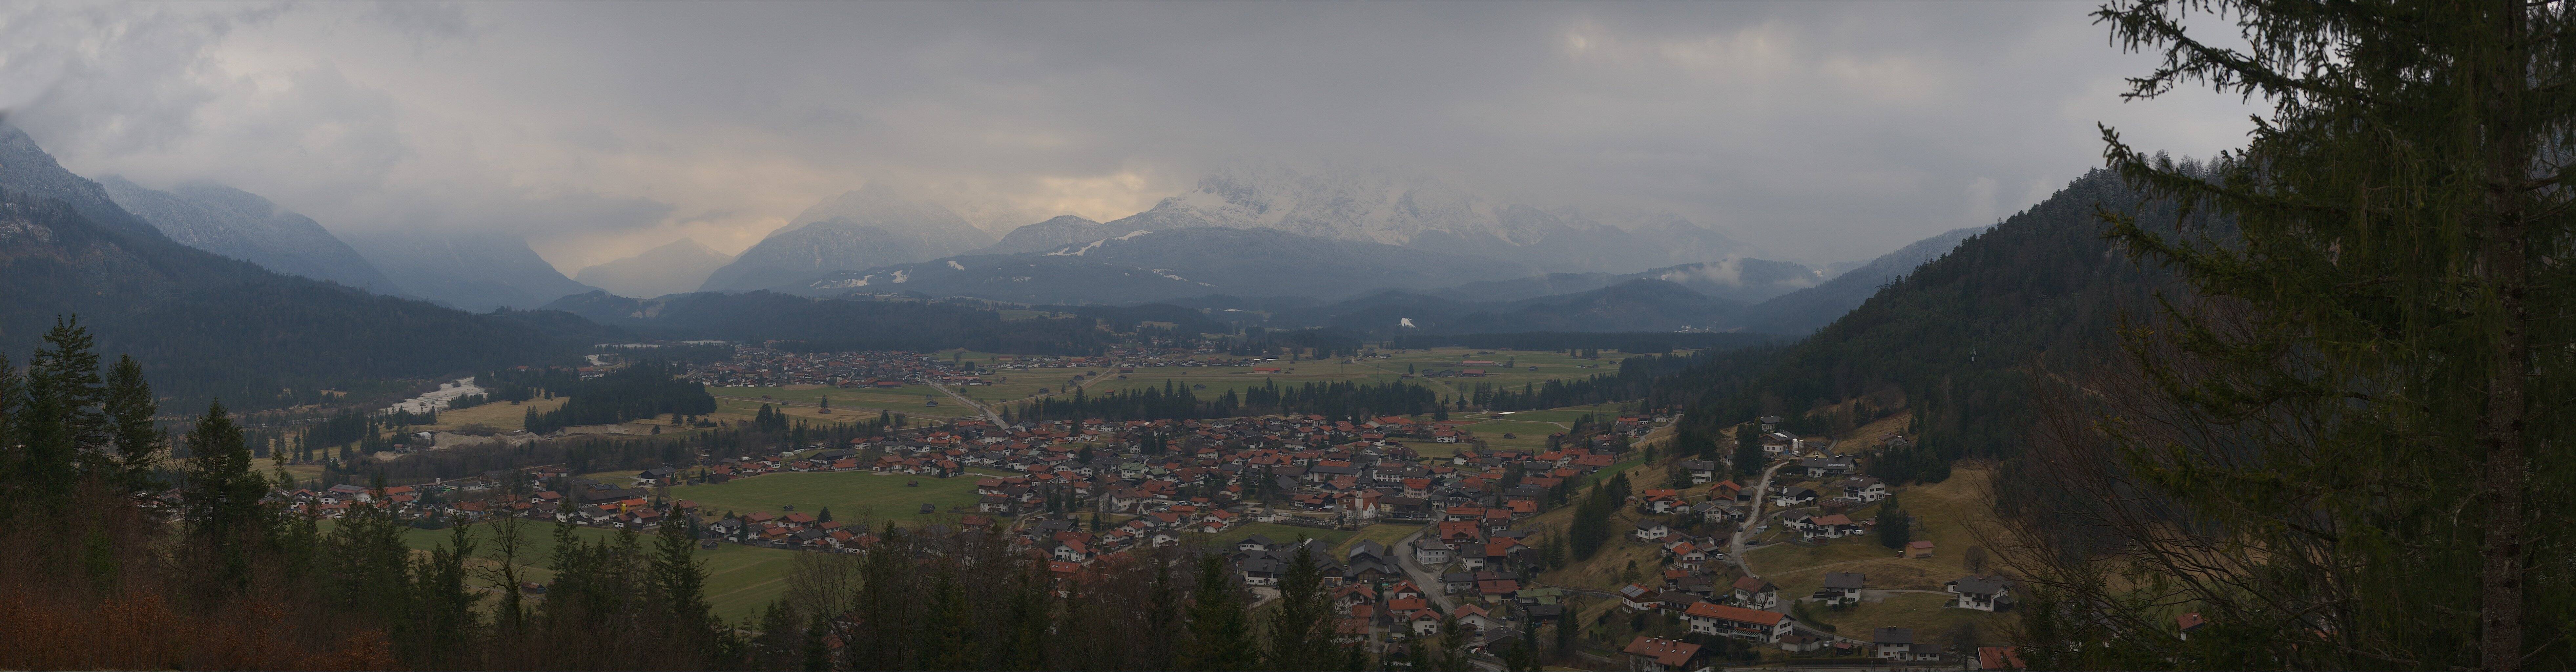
1385,534
1923,612
1013,386
740,579
1524,435
500,415
1943,513
1276,532
848,405
851,495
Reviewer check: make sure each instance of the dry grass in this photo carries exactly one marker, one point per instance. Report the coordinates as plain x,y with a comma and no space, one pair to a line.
1932,623
1385,534
1943,513
500,415
1868,436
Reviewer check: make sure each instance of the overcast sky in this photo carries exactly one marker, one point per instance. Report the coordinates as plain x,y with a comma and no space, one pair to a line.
1819,131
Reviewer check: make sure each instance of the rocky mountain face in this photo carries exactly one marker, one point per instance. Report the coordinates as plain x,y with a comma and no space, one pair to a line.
205,326
472,270
867,228
680,266
1159,265
1396,208
27,168
242,225
1806,310
1054,233
1635,304
1744,280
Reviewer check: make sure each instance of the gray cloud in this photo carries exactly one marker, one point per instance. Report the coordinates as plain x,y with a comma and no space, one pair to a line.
1821,131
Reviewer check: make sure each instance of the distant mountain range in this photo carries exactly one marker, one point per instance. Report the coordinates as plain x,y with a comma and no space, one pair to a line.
1146,266
877,228
1634,305
867,228
472,270
1959,338
1809,309
1055,233
868,324
1745,280
242,225
1398,208
206,326
677,267
1703,296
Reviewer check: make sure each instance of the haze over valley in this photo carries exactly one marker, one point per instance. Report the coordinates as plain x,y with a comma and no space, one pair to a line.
1286,336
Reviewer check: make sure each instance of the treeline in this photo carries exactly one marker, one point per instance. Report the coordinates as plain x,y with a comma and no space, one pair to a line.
226,578
643,390
797,323
208,327
586,454
1592,527
1315,343
1954,340
1634,342
536,382
960,600
1342,399
338,440
1637,379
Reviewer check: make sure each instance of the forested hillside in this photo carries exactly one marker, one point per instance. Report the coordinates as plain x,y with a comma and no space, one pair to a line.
205,326
1956,340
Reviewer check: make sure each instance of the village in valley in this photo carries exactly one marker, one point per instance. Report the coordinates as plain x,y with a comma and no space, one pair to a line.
1465,518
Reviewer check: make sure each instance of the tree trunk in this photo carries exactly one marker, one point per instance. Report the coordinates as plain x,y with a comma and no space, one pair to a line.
2501,431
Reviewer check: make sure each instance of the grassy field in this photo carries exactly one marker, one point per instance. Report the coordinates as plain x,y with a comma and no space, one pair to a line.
501,415
848,405
740,579
1561,418
1385,534
852,496
1525,435
1013,386
1277,533
1931,622
1943,513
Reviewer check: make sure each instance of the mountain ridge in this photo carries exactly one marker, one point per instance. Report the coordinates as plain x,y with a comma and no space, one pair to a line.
472,270
862,228
1150,266
245,226
675,267
205,326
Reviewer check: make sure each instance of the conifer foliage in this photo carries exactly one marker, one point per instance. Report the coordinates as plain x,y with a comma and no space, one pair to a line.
2342,447
248,585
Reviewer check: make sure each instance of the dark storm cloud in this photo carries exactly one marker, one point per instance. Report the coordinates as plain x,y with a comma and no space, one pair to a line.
1820,131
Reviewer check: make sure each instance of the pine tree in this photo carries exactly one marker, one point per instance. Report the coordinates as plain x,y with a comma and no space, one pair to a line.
1749,458
129,406
13,412
367,569
948,638
1301,631
2360,406
447,617
1220,632
61,425
221,501
1895,527
679,582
